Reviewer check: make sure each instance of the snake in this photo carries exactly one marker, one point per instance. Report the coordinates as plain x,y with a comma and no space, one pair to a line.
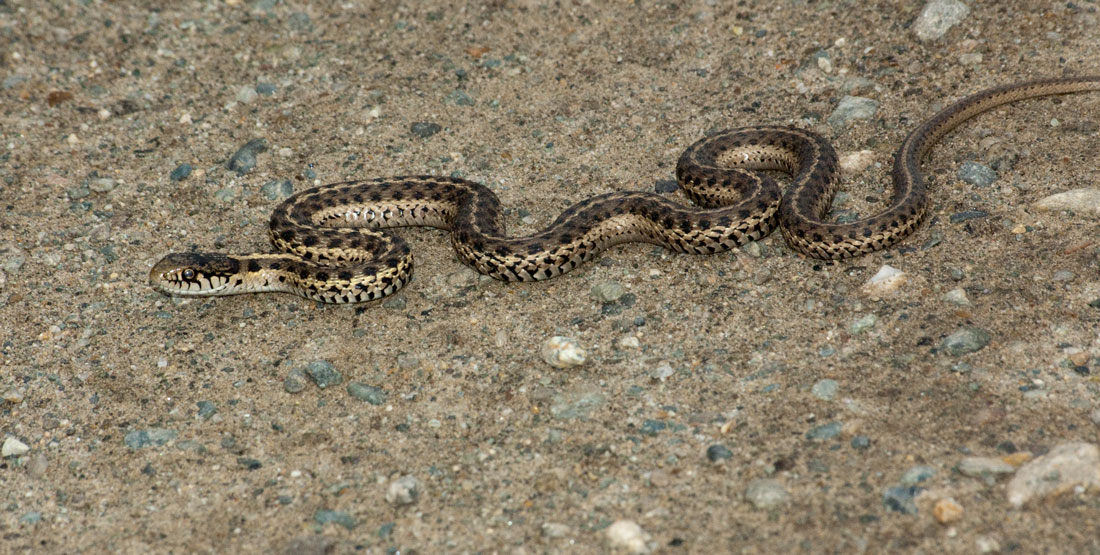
335,245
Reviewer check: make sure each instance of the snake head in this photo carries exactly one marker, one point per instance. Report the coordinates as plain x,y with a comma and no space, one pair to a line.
194,274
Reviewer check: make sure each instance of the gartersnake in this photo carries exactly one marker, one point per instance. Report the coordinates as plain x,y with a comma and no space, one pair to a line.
335,246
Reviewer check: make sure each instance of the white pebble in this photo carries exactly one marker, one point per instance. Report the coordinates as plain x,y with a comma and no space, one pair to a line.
663,372
1065,468
887,280
286,152
403,491
13,448
185,119
970,58
765,493
1078,200
957,296
104,113
630,342
562,352
628,536
854,162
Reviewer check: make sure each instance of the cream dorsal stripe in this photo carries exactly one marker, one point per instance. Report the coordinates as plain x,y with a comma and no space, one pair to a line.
335,245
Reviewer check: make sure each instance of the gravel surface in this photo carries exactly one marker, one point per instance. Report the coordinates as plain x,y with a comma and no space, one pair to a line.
751,401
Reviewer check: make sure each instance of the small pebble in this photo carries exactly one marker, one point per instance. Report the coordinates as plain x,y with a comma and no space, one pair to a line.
459,97
1069,466
630,342
957,296
825,389
246,94
718,452
666,186
607,292
1063,275
13,396
662,372
364,392
102,184
397,302
300,22
937,17
403,491
901,499
863,324
225,195
1081,201
206,409
916,475
852,108
180,173
965,340
978,175
576,404
966,215
825,431
766,493
425,129
562,352
860,442
295,381
1095,417
278,189
626,535
853,163
138,439
342,518
324,374
982,467
244,160
13,448
266,89
887,280
946,511
971,58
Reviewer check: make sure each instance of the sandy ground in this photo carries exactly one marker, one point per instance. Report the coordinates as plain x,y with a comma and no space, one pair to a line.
752,401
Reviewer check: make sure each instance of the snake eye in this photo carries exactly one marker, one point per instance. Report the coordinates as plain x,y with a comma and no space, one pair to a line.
188,273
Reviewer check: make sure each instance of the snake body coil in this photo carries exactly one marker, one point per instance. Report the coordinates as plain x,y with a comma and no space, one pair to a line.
335,244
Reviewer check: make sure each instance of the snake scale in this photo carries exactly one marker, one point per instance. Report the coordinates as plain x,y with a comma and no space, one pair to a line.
334,244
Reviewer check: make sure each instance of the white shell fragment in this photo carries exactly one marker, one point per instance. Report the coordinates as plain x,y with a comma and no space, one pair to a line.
562,352
887,280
